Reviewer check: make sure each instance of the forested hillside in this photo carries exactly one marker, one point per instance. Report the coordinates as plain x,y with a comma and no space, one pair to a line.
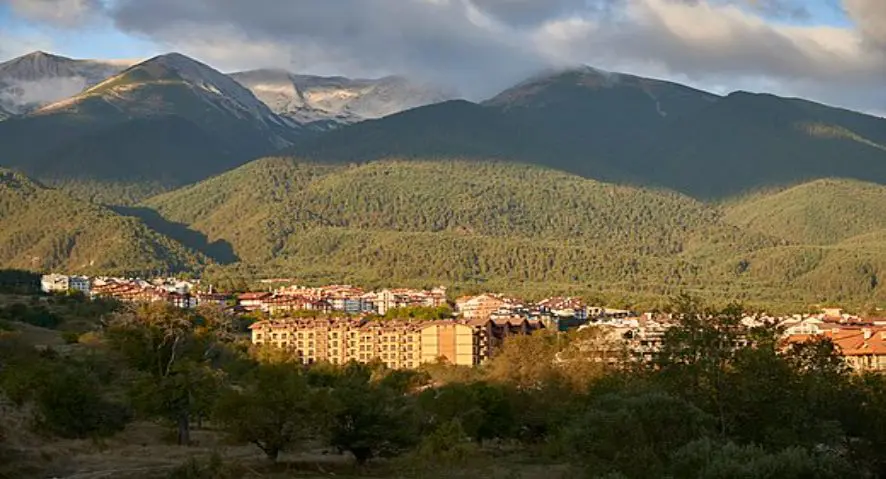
820,212
521,227
456,221
476,225
44,229
748,141
623,128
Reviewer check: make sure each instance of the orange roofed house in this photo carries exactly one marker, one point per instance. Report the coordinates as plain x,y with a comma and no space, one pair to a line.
396,343
864,349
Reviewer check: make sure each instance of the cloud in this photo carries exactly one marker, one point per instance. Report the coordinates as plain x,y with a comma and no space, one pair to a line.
481,46
63,13
708,43
447,41
21,96
870,16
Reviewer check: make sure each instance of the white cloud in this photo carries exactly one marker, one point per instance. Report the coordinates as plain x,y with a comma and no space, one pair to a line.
18,96
65,13
708,43
481,46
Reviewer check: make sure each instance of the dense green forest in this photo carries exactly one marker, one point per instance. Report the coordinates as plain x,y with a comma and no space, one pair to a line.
623,128
44,229
532,230
471,225
562,405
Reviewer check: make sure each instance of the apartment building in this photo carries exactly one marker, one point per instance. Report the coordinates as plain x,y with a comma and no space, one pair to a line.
60,283
396,343
478,307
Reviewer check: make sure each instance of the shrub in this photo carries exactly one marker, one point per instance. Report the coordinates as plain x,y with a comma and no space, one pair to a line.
212,468
69,405
70,337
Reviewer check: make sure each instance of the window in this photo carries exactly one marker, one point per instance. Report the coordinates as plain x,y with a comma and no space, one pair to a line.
258,336
274,336
283,336
335,344
301,344
335,335
300,335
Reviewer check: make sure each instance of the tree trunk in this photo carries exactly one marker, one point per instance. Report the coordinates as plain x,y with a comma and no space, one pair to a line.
272,453
362,454
184,430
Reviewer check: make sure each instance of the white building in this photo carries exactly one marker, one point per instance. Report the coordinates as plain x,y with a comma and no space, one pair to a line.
60,283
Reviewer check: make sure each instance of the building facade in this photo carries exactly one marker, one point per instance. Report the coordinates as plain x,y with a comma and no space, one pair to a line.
60,283
396,343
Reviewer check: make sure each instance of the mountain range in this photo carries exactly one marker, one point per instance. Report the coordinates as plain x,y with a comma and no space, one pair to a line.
329,102
574,178
176,120
34,80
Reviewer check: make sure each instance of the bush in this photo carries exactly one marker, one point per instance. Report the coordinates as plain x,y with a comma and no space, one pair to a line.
212,468
38,316
69,405
709,459
634,434
71,337
448,443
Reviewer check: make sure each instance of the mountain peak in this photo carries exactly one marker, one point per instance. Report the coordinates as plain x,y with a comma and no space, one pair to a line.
35,59
175,59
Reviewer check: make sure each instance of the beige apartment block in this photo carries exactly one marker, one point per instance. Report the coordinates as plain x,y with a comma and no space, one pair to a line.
396,343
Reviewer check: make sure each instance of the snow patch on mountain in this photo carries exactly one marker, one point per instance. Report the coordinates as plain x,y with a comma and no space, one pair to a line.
217,84
328,101
216,90
37,79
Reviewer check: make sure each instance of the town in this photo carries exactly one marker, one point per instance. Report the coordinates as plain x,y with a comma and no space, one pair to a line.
342,323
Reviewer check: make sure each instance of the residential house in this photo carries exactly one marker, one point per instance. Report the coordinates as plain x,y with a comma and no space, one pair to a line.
478,307
253,301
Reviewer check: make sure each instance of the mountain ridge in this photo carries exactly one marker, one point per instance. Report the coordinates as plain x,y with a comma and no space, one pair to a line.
327,102
31,81
178,120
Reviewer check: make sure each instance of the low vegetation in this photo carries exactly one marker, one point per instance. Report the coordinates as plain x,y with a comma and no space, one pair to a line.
702,409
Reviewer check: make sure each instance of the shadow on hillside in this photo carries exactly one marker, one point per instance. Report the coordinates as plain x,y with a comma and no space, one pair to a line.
220,251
